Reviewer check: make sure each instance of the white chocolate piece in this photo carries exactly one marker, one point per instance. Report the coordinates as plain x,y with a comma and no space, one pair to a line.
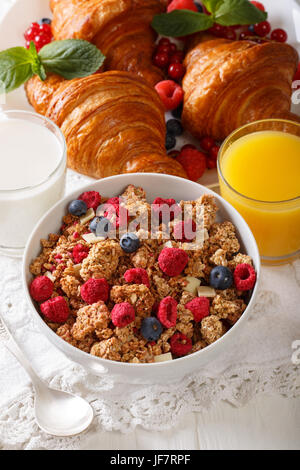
91,238
205,291
193,284
87,217
50,276
163,357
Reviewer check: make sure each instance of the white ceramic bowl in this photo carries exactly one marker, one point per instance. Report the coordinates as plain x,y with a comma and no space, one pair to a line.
154,185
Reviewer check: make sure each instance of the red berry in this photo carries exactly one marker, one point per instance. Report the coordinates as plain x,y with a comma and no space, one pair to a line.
217,30
176,71
122,314
166,49
170,93
41,288
167,312
56,310
94,290
194,162
177,57
297,74
137,276
180,344
188,147
211,163
229,34
262,29
259,6
80,252
39,34
158,207
161,60
207,143
91,198
199,307
173,48
164,42
279,35
244,35
244,277
184,231
172,261
182,5
214,151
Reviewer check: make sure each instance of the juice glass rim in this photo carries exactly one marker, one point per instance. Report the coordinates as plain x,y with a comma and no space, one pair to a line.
221,153
61,140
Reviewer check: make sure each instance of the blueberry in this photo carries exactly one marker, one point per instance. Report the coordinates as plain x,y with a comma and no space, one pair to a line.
199,7
130,242
78,208
174,127
103,227
251,28
93,224
221,278
170,141
45,21
151,329
176,113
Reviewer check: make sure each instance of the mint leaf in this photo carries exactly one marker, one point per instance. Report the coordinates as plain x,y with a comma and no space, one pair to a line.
37,66
181,23
71,58
234,12
212,5
15,67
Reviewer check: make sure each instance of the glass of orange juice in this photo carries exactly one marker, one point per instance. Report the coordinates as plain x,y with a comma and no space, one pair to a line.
259,174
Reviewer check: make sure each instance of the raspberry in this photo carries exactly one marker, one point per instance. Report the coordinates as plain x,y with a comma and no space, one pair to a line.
199,307
91,198
159,209
258,5
207,143
80,252
182,5
171,94
40,34
137,276
122,314
244,277
41,288
113,210
172,261
193,161
94,290
56,310
167,312
180,344
184,231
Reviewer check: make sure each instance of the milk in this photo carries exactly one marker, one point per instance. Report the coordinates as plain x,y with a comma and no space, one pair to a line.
32,175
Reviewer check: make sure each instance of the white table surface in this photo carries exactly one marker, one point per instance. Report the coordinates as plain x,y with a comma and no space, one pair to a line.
265,423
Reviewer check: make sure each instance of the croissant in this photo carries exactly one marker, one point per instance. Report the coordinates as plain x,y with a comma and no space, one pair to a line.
113,123
119,28
231,83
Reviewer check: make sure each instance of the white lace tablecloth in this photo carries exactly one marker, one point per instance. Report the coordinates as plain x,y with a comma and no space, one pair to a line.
259,361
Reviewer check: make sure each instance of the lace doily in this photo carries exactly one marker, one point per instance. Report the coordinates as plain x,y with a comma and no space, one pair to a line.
260,361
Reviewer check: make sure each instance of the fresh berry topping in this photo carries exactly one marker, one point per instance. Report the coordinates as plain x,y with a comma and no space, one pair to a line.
176,113
40,34
170,93
161,59
259,6
297,74
91,198
174,127
217,30
194,163
130,242
229,34
137,276
151,329
244,277
93,224
244,35
262,29
122,314
45,21
182,5
56,310
214,152
221,278
207,143
170,141
77,208
184,231
180,344
279,35
199,306
172,261
94,290
176,70
41,288
79,253
167,312
211,163
177,57
159,208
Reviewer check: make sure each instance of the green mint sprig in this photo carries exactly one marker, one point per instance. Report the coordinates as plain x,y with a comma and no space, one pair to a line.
224,12
71,58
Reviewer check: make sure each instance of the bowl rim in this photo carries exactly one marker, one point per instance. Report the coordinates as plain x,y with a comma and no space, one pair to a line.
84,355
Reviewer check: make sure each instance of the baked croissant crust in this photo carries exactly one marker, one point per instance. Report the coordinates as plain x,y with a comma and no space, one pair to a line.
113,123
119,28
231,83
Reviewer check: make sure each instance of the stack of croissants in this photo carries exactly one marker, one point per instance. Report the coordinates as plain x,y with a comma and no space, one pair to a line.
114,121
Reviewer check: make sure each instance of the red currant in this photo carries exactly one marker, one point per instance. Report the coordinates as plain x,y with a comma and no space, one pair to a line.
214,151
217,30
170,93
230,34
164,48
176,71
259,6
211,163
207,143
177,57
297,74
279,35
173,48
164,42
161,60
262,29
243,35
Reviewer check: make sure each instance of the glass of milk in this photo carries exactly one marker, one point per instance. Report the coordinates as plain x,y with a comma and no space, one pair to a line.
32,175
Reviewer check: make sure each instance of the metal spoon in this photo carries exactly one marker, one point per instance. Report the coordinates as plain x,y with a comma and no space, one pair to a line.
57,413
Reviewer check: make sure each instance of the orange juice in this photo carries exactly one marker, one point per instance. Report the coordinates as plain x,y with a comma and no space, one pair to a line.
260,177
